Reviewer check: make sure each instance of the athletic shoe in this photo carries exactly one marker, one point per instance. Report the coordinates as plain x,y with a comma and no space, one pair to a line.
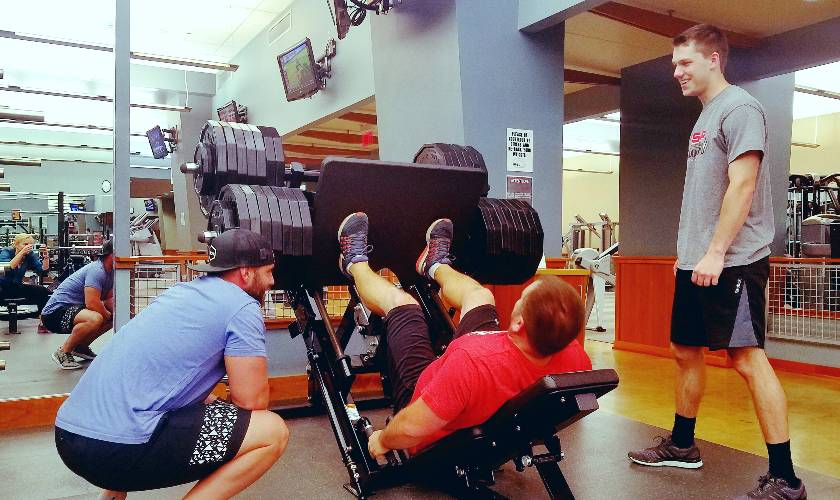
438,242
774,488
42,329
665,454
65,360
83,352
352,238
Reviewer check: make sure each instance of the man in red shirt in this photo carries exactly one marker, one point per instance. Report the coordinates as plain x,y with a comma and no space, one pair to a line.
482,367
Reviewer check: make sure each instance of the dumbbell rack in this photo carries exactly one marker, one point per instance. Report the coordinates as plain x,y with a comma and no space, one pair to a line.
332,371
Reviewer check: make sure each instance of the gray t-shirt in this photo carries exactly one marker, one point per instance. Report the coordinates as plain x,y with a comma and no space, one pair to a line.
731,124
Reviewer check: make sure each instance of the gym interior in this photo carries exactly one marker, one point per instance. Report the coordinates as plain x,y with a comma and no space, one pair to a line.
161,125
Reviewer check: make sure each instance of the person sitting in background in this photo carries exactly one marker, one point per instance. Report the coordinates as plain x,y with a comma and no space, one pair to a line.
21,259
81,307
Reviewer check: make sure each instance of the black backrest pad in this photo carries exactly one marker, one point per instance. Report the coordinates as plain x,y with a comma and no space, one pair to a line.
401,200
547,406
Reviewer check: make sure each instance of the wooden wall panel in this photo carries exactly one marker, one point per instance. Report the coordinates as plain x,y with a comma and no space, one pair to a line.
644,294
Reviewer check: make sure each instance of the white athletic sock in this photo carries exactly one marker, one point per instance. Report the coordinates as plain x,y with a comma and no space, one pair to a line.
433,268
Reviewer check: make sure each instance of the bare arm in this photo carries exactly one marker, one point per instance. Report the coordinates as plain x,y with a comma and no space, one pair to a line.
743,174
19,256
413,425
248,381
93,301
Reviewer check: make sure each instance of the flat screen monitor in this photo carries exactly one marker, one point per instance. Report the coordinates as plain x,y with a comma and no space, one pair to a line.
150,204
299,71
75,207
229,113
157,142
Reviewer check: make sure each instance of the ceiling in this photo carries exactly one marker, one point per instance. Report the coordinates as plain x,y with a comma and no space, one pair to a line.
197,29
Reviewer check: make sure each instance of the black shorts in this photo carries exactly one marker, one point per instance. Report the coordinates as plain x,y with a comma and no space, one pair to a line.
187,445
61,320
410,346
729,314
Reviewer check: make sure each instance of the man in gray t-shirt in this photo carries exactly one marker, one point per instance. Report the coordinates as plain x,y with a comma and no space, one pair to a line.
723,248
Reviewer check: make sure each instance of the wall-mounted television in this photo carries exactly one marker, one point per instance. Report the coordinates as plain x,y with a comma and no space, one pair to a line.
157,142
232,112
299,71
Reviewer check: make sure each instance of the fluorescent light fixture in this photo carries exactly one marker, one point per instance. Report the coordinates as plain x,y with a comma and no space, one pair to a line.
21,162
36,162
102,98
140,56
587,171
805,144
49,145
64,125
817,92
589,151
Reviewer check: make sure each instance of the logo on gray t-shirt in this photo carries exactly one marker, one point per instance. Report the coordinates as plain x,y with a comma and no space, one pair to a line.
730,125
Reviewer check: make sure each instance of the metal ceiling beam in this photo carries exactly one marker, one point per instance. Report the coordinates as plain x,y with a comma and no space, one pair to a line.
50,145
578,76
662,24
89,97
140,56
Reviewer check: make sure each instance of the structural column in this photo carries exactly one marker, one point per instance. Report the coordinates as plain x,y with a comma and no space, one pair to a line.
122,158
461,71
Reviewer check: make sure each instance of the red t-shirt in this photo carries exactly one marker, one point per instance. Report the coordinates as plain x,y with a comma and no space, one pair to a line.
481,371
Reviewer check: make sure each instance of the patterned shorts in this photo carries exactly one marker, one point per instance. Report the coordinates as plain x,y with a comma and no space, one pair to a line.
187,445
61,320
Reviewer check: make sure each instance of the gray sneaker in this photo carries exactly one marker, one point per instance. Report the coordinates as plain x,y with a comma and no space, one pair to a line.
438,242
65,360
665,454
774,488
83,352
352,240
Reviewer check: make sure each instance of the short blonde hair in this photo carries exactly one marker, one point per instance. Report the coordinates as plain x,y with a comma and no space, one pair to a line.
22,237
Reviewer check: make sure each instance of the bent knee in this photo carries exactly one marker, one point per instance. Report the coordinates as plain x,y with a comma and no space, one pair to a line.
400,298
270,428
687,354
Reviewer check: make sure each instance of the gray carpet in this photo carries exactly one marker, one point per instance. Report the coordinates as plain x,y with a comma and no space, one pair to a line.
595,467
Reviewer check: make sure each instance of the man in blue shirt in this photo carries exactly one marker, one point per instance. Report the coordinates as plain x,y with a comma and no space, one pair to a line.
81,307
20,259
143,417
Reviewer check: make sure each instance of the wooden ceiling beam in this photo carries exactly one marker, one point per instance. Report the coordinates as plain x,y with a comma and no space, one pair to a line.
323,151
577,76
343,137
662,24
357,117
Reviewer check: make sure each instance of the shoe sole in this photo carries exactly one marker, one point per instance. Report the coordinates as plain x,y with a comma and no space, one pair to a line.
338,237
55,358
82,356
419,266
670,463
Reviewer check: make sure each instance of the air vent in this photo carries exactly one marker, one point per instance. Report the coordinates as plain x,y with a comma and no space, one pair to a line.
280,28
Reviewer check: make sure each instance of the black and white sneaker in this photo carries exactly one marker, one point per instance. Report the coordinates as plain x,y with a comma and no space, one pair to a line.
438,243
666,454
352,238
83,352
65,360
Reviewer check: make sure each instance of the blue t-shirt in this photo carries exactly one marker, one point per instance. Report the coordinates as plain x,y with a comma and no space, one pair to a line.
32,262
71,291
169,356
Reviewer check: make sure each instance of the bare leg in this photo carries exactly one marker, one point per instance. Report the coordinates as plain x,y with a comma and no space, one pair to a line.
377,294
767,393
113,495
691,379
461,291
85,323
264,442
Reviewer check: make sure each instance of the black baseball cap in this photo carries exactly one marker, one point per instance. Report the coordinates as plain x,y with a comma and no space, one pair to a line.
107,248
236,248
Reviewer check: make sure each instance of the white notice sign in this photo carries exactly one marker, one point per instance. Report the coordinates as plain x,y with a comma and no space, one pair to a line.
520,150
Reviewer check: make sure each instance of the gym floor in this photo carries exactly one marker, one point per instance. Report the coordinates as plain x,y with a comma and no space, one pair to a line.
595,447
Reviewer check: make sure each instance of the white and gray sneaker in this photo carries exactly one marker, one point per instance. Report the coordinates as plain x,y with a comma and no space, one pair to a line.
65,360
84,352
